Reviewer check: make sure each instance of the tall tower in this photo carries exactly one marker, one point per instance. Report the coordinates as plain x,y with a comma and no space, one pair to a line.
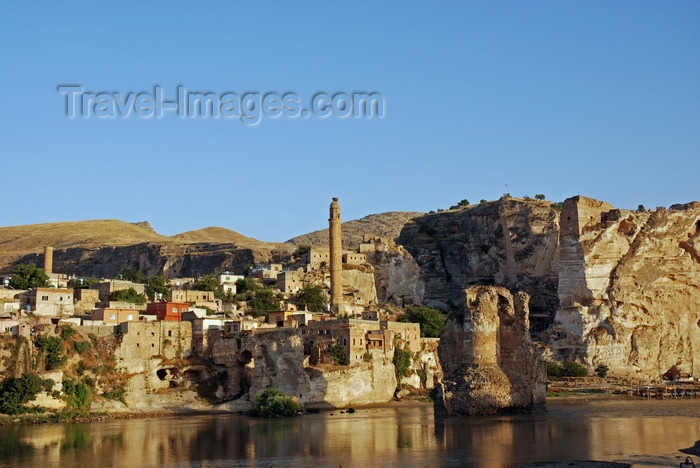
48,260
336,254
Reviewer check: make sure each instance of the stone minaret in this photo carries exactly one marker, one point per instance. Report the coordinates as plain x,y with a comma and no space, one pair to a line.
336,254
48,260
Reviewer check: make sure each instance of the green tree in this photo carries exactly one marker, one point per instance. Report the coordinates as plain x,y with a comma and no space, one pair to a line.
209,283
158,285
53,347
128,295
244,286
265,300
273,403
402,361
134,276
539,196
431,320
17,391
338,354
28,276
311,297
301,251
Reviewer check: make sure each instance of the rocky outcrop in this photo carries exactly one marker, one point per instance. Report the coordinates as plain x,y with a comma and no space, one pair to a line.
629,288
487,356
510,243
396,274
169,259
277,361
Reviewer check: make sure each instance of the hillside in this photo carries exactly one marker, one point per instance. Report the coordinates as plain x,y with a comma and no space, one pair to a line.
215,235
33,237
387,224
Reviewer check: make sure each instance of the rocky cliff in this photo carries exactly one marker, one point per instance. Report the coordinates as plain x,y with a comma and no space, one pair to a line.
629,288
487,356
510,243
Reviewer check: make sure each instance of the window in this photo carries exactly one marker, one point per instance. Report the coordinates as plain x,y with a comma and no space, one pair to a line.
175,310
44,298
130,317
170,333
113,316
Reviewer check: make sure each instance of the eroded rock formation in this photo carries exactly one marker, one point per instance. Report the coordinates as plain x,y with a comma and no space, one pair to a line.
487,356
629,287
510,243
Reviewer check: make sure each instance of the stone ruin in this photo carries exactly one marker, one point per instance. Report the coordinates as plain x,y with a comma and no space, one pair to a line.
489,362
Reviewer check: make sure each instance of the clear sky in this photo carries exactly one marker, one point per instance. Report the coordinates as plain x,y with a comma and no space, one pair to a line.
556,97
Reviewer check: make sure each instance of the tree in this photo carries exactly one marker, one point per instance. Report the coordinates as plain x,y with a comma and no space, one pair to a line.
134,276
272,403
158,285
53,347
311,297
127,295
18,391
209,283
301,251
402,361
265,300
431,320
539,196
28,276
338,354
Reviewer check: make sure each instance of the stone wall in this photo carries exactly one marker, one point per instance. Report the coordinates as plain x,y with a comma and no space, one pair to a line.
487,356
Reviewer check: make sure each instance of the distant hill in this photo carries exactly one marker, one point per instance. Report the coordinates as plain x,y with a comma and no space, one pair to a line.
33,237
387,224
215,234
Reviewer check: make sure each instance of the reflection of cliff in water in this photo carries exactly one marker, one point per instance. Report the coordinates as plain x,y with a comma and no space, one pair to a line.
643,433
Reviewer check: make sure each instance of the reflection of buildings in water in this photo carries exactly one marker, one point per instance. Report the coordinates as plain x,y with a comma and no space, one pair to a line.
409,436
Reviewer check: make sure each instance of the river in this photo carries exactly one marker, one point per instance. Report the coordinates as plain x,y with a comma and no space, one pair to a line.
643,433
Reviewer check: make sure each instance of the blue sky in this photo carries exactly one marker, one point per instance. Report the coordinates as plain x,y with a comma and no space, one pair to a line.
562,98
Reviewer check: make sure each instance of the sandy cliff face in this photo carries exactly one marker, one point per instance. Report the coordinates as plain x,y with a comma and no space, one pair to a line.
629,287
487,356
508,243
396,275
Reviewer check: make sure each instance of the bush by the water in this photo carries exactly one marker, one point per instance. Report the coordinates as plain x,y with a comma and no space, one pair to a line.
602,370
402,361
17,391
271,403
568,369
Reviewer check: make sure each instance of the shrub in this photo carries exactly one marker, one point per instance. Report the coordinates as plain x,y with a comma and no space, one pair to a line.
338,354
311,297
602,370
53,347
17,391
78,396
301,250
431,320
367,356
47,385
402,361
272,403
573,369
568,369
82,346
128,295
557,206
554,369
539,196
67,332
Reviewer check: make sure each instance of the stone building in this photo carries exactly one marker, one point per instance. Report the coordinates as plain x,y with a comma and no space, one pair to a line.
168,311
289,282
106,288
48,301
144,340
114,315
357,336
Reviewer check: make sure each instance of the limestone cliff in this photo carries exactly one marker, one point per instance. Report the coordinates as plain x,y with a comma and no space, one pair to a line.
487,356
510,243
629,288
396,274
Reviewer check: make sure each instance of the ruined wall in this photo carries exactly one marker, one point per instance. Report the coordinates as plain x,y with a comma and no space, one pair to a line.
510,243
487,356
629,288
277,361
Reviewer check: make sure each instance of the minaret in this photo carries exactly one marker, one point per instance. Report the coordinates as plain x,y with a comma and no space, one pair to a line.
48,260
336,254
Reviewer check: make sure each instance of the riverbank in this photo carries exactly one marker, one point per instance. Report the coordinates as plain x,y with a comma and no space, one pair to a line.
605,388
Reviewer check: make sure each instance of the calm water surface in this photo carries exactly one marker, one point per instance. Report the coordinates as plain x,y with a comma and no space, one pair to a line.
646,433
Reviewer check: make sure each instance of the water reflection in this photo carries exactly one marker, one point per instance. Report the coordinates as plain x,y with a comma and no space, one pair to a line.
646,433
